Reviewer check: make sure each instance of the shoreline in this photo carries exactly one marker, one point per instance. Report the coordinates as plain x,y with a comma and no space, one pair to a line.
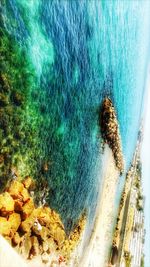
33,224
97,252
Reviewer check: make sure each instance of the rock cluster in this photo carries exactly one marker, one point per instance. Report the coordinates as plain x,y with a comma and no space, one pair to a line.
34,230
110,132
74,237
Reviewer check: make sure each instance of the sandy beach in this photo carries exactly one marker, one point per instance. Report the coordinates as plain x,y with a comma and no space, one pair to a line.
96,253
8,256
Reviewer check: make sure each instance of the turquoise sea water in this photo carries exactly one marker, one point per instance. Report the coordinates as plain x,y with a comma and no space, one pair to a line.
81,51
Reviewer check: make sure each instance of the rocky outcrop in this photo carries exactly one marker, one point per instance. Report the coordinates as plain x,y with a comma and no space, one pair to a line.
6,204
34,230
110,131
74,237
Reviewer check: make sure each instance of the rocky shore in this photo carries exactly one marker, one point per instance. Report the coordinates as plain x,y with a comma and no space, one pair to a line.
110,132
35,230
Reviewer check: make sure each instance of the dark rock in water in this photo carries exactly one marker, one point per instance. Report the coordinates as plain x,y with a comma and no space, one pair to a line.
43,108
114,256
17,98
110,131
1,158
9,110
3,100
4,84
45,167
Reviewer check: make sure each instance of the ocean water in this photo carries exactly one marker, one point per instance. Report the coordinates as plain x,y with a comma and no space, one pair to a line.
77,52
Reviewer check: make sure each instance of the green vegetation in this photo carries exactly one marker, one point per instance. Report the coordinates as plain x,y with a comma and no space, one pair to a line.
28,128
18,123
41,127
142,261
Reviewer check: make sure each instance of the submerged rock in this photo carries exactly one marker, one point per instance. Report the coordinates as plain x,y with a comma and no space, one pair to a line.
5,87
1,158
3,100
17,98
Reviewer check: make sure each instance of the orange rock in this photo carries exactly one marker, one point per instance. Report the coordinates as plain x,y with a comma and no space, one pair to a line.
14,222
6,204
10,226
29,222
45,246
15,189
59,236
16,239
47,217
44,216
49,245
28,182
25,195
4,226
27,208
18,205
44,232
56,218
35,246
26,246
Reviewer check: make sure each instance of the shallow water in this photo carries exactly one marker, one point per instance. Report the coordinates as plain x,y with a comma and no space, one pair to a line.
78,52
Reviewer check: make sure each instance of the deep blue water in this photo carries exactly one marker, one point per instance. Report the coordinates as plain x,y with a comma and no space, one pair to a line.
83,51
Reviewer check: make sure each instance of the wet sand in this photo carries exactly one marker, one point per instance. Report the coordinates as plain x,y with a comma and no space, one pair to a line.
96,254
